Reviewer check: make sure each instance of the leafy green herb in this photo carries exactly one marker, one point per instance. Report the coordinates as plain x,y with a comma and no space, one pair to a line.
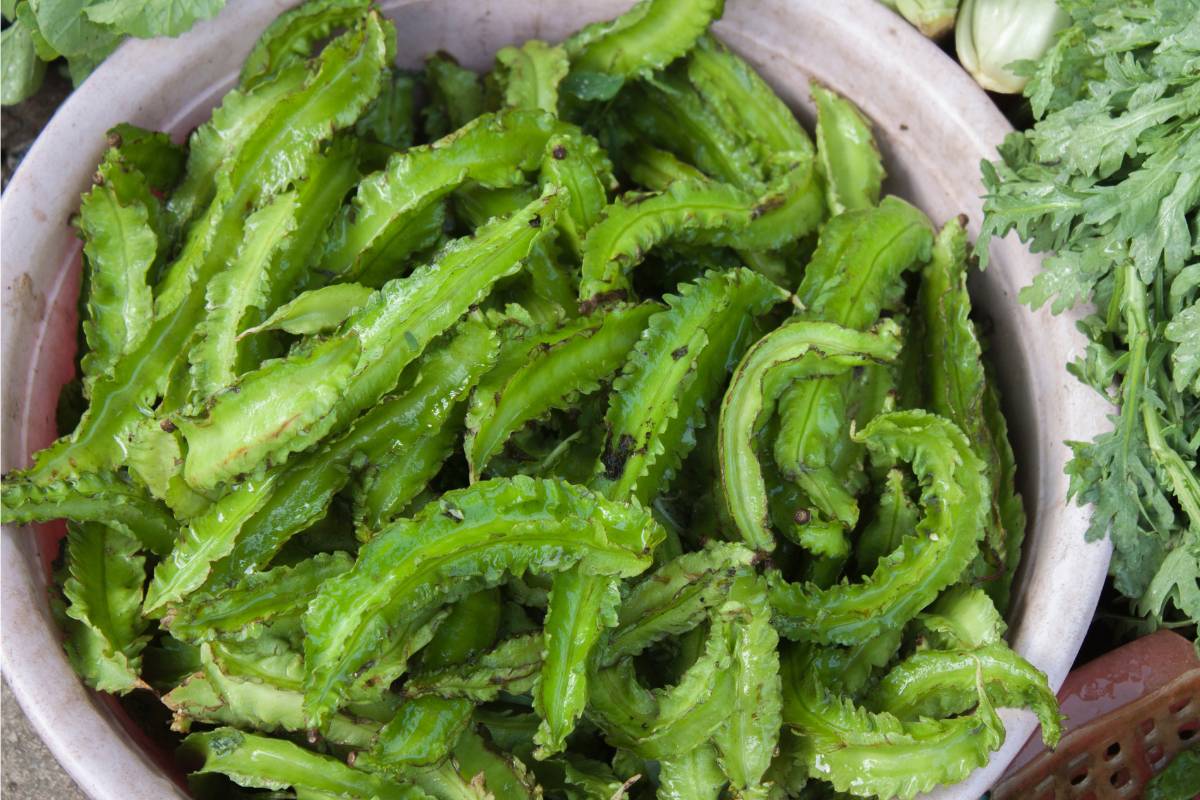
1108,182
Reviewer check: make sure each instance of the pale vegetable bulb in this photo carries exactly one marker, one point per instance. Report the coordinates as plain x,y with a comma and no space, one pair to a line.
992,34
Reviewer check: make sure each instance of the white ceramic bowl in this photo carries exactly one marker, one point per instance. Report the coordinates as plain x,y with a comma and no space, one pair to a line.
933,123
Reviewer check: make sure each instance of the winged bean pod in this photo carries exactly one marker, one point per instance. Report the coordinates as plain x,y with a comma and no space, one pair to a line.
953,497
846,149
294,34
289,404
387,217
101,498
649,36
486,530
307,485
869,754
854,275
798,351
105,630
266,763
547,370
941,683
345,78
957,388
512,666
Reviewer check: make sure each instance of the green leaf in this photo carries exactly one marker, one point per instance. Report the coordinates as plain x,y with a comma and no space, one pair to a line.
69,29
155,18
22,71
1184,331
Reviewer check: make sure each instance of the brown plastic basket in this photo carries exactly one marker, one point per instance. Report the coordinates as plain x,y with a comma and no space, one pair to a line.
1128,713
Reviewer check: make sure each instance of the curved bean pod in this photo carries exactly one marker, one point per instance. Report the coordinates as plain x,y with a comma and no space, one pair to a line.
290,404
259,597
292,37
695,775
544,371
580,607
264,762
120,247
266,697
645,38
106,632
236,289
854,275
744,101
941,683
869,754
307,486
387,218
659,373
345,78
513,666
205,539
422,733
895,517
475,535
103,498
315,311
798,351
662,723
674,599
963,617
730,334
218,141
747,738
957,386
672,114
850,159
697,212
528,76
953,496
576,162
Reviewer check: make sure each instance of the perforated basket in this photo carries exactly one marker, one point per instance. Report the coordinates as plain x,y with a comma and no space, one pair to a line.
1129,712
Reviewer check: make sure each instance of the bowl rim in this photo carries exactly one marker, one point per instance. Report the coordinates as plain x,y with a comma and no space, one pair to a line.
78,728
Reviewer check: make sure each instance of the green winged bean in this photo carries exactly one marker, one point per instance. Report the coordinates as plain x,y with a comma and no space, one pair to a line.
344,78
953,497
464,478
289,404
547,370
846,149
267,763
496,526
105,630
798,351
957,388
869,754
